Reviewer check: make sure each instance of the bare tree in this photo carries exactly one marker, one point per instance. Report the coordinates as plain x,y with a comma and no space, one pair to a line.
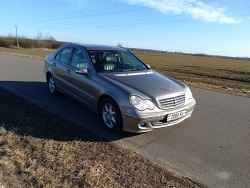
119,45
51,38
39,39
39,35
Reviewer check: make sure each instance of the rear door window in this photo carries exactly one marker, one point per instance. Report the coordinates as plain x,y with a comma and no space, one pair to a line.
65,55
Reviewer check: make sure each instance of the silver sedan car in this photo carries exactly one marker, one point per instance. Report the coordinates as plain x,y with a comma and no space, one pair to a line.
114,83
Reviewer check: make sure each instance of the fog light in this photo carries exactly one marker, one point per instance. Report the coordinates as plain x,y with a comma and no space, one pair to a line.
143,125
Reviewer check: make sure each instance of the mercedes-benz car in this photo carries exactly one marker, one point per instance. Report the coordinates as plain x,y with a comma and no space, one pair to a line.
113,82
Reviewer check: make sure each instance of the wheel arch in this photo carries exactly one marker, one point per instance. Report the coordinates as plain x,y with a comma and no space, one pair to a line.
100,101
47,76
101,98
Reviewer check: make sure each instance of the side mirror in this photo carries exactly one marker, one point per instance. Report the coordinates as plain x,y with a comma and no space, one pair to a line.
148,66
83,71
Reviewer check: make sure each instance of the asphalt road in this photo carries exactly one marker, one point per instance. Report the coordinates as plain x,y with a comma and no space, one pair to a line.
212,147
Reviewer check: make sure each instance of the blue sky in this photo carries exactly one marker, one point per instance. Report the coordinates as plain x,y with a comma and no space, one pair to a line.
219,27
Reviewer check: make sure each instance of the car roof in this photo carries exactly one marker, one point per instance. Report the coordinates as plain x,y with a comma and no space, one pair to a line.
96,46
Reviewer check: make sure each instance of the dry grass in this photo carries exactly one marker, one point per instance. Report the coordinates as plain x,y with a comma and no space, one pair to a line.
31,53
218,74
39,149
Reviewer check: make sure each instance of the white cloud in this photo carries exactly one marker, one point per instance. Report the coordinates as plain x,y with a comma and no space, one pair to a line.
197,9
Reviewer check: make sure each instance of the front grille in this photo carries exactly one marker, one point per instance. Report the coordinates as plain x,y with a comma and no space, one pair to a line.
172,102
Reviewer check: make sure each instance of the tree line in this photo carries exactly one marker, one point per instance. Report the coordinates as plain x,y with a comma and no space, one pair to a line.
40,41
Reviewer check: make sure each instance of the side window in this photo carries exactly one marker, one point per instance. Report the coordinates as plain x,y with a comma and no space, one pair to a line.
79,60
65,55
58,55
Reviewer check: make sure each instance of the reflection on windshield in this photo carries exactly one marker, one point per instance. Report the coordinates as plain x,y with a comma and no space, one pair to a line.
115,61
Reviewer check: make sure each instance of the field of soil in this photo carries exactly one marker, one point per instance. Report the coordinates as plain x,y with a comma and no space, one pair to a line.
219,74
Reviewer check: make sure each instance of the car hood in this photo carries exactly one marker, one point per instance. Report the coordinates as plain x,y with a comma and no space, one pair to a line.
149,83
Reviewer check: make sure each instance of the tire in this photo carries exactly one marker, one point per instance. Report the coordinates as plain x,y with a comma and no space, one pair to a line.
52,85
111,115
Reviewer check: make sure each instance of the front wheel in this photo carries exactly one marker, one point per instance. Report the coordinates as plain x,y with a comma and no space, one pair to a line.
52,85
111,115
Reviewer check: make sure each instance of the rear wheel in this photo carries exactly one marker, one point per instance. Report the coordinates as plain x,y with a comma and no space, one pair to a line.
111,115
52,85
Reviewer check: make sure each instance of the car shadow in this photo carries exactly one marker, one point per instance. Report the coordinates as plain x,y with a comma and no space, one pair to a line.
71,120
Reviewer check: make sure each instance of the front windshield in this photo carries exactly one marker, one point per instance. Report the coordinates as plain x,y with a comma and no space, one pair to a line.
115,61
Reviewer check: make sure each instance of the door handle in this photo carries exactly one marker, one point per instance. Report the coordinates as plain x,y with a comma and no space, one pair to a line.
68,71
54,64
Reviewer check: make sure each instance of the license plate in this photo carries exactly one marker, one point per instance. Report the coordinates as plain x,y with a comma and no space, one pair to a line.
176,115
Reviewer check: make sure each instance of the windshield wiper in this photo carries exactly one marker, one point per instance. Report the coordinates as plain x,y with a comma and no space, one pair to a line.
122,70
114,70
137,69
117,70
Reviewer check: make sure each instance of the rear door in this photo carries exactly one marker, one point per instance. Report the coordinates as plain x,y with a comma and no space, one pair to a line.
60,67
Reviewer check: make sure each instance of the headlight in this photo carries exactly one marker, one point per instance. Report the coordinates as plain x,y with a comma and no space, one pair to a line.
188,94
141,104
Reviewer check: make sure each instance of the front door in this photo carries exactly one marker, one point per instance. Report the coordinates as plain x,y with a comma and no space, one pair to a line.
80,84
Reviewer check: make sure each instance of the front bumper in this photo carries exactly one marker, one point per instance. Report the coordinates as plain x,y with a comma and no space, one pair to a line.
147,121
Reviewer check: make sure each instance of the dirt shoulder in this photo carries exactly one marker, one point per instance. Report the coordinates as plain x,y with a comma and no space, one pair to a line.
39,149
